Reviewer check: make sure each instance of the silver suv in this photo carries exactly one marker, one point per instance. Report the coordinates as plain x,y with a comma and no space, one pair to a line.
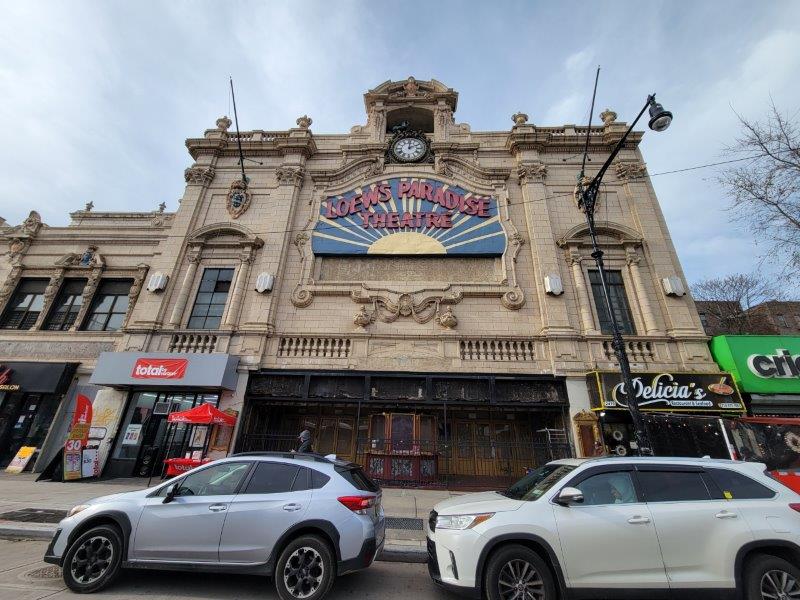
300,518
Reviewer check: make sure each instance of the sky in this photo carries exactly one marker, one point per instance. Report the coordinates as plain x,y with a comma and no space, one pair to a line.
97,98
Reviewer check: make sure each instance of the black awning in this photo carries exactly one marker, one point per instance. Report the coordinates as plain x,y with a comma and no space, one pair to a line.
38,377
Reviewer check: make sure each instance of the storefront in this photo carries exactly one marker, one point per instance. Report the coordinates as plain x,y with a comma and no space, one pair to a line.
681,411
157,385
766,368
30,394
413,429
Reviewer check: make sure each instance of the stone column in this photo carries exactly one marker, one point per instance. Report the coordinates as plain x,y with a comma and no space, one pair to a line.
584,298
186,287
545,254
239,288
9,285
133,293
633,259
49,295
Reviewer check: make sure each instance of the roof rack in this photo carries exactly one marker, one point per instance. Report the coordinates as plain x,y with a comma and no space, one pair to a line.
298,455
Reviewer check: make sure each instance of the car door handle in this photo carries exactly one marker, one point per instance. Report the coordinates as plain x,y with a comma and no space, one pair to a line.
726,514
292,507
217,507
637,520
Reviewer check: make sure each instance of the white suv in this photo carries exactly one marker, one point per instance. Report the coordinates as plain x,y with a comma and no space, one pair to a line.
623,527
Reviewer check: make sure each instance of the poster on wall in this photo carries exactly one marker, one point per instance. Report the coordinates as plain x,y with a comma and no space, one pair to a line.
77,437
132,434
21,460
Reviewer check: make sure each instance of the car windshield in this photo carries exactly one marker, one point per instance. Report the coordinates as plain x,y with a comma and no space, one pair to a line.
537,482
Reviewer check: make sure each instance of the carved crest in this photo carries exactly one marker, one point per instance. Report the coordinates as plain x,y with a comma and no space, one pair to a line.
238,200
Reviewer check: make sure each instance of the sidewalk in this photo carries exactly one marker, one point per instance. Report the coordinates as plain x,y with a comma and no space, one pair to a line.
406,509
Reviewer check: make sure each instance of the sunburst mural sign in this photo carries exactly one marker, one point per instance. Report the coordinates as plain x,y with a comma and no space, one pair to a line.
409,216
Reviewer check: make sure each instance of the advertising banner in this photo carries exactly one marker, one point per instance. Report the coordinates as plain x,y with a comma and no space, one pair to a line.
77,437
409,216
760,364
674,392
21,460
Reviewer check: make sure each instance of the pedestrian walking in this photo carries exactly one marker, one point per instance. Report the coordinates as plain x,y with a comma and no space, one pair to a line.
304,444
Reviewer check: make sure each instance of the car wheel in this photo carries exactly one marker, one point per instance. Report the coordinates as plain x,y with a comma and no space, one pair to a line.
305,569
769,577
517,572
93,560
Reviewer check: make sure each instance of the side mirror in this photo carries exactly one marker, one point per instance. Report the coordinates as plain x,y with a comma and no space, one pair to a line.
569,495
171,489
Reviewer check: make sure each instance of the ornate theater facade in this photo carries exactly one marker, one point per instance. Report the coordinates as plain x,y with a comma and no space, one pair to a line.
418,295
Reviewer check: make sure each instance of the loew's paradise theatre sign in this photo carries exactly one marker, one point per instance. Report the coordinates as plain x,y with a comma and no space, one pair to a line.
408,216
713,393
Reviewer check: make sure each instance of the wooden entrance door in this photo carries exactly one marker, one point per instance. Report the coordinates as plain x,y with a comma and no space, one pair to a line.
335,435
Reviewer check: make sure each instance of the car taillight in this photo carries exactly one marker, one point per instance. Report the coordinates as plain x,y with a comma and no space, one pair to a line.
795,507
358,504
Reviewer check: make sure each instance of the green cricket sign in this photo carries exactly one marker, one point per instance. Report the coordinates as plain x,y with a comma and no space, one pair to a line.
761,364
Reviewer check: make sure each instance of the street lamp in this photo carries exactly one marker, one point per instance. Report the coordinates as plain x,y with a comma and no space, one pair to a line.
586,196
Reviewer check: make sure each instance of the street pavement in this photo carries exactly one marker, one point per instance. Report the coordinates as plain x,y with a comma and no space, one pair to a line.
22,578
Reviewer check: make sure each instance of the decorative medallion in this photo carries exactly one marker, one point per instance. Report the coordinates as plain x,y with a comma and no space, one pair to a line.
238,200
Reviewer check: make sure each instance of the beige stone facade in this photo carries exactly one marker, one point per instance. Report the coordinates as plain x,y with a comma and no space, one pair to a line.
418,314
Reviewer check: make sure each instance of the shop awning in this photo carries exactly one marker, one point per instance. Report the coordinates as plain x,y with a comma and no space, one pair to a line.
202,414
166,370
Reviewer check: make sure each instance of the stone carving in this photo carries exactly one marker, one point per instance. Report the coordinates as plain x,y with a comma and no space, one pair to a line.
201,175
447,320
302,297
411,87
238,199
608,116
301,239
629,170
362,318
377,167
133,293
531,172
89,206
52,288
519,118
304,122
88,293
162,207
10,284
223,123
441,167
513,299
289,176
388,306
32,224
17,247
89,258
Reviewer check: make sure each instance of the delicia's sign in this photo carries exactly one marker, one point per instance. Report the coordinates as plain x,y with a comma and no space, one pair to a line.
675,392
409,216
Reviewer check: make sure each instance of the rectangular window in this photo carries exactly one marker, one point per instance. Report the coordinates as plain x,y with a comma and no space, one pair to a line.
211,298
272,478
735,486
704,320
109,306
25,305
673,486
67,305
619,302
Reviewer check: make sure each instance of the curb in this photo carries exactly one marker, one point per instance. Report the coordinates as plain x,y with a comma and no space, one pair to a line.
21,533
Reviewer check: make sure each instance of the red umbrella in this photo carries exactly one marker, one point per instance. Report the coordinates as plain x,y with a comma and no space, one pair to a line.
203,414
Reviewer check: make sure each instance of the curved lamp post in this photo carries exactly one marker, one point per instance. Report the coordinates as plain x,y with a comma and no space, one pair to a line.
586,195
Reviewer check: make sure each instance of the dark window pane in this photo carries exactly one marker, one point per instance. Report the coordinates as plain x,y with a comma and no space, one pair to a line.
212,323
66,305
358,479
673,486
95,323
215,310
103,303
619,302
200,310
218,297
271,478
608,488
121,305
302,481
196,322
209,304
318,479
24,306
735,486
214,481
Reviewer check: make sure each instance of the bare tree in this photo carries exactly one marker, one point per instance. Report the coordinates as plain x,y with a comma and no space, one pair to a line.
765,190
729,302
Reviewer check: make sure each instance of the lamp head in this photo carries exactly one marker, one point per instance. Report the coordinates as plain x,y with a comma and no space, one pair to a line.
660,119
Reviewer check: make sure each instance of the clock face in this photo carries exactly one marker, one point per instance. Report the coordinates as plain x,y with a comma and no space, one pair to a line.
409,149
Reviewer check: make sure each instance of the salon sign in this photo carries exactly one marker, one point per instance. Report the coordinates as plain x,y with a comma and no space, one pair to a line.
409,216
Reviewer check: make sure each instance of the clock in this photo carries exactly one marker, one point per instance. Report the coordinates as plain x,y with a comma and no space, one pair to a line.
409,149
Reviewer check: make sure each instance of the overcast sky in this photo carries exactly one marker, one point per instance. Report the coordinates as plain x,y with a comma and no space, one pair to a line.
96,98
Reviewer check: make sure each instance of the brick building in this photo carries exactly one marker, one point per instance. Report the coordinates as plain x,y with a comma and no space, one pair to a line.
417,294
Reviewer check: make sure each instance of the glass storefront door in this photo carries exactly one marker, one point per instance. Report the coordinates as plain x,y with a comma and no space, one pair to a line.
24,421
143,442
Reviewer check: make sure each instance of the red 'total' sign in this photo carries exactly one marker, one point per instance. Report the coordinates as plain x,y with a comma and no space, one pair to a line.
160,368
